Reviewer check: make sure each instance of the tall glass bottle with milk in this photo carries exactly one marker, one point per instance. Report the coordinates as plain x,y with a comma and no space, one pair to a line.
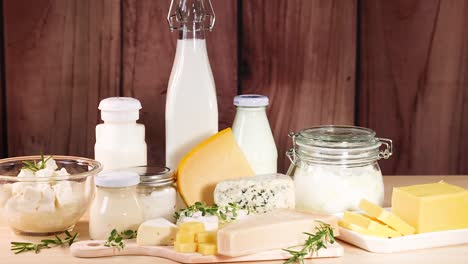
191,106
253,133
120,140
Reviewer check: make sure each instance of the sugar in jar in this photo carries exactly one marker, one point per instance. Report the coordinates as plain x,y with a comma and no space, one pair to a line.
334,167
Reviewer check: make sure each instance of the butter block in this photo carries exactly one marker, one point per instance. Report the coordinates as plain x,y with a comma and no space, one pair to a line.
207,249
386,217
185,247
370,224
194,227
274,230
206,237
156,232
432,207
185,237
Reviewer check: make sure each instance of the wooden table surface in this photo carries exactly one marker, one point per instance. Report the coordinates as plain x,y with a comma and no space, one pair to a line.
455,254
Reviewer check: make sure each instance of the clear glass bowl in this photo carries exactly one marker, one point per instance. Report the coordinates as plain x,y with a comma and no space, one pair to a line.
44,206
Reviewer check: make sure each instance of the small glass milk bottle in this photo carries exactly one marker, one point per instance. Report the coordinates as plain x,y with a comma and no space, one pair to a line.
253,133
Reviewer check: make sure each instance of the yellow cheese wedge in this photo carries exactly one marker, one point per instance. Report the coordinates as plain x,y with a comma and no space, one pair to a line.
185,237
386,217
360,229
216,159
185,247
192,227
207,249
371,225
206,237
432,207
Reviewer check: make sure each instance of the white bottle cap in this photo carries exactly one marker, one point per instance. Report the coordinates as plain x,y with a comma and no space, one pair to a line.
251,100
117,179
120,109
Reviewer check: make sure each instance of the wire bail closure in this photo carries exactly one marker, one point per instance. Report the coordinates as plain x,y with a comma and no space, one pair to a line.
176,19
388,150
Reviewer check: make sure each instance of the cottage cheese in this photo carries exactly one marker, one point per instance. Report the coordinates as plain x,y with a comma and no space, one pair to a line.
262,193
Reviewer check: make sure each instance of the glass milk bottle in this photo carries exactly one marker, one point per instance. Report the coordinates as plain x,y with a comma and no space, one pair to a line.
191,106
120,141
253,133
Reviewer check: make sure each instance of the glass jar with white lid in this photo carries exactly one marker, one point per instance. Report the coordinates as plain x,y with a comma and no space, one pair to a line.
334,167
156,191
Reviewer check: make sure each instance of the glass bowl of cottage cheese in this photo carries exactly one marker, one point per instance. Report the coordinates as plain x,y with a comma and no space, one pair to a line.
45,195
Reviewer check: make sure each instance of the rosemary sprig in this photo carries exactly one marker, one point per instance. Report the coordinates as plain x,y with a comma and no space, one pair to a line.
36,166
225,213
313,243
115,238
20,247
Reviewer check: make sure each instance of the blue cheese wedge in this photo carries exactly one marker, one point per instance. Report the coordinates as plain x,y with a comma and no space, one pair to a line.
261,193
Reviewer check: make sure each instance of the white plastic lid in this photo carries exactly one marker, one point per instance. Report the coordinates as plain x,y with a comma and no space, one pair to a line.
117,179
251,100
120,109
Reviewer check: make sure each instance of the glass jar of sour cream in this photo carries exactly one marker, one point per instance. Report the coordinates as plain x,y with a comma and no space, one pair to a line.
334,167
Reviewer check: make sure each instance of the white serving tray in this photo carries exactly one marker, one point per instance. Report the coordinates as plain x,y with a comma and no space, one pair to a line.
404,243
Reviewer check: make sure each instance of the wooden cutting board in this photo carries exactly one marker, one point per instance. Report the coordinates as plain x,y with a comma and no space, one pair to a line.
96,248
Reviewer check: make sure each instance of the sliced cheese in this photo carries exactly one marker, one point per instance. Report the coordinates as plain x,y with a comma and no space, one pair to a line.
432,207
360,229
156,232
216,159
274,230
386,217
369,224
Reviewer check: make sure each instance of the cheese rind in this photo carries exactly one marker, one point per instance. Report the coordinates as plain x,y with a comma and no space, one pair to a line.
274,230
261,193
369,224
156,232
432,207
386,217
216,159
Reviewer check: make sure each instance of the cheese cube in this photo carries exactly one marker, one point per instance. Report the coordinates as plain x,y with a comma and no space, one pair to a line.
360,229
206,237
370,224
386,217
262,193
432,207
185,247
194,227
274,230
207,249
185,237
156,232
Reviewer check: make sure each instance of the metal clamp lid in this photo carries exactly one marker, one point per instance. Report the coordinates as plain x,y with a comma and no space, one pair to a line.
199,11
388,151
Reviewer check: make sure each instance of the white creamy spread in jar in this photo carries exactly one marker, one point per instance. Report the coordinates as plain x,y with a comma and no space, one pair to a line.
43,206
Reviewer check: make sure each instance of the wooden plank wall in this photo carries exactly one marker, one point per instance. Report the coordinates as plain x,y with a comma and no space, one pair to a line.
398,67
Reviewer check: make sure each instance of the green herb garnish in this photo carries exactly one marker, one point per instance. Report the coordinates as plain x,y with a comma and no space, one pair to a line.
20,247
36,166
225,213
115,238
313,243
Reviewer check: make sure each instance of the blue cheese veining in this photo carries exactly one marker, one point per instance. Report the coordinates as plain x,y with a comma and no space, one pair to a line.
262,193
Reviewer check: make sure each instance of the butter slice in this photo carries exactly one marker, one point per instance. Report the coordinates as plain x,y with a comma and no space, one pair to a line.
274,230
369,224
386,217
432,207
156,232
360,229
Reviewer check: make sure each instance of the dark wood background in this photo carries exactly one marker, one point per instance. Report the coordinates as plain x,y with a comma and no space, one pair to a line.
398,67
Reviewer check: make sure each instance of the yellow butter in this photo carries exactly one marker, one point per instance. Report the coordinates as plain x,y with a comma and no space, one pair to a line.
206,237
432,207
386,217
360,229
207,249
185,247
370,224
185,237
194,227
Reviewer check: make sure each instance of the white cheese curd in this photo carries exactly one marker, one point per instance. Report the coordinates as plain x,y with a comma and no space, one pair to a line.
211,222
159,203
44,206
333,189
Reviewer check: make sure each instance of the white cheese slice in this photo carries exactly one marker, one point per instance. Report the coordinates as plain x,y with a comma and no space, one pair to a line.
211,222
156,232
275,230
261,193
